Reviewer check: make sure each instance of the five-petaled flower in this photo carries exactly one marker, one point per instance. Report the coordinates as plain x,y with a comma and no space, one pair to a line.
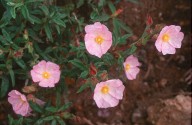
19,103
98,39
169,38
131,67
107,94
46,73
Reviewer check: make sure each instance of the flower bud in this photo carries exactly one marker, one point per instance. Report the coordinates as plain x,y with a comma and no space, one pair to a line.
25,35
30,89
92,69
18,54
117,12
149,20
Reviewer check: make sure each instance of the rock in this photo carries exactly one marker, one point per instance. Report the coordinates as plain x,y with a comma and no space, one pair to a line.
176,111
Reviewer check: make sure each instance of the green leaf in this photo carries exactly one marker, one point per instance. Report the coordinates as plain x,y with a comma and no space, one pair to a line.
51,109
124,27
40,52
33,1
123,39
64,107
58,98
12,75
54,122
111,7
6,35
116,29
59,22
25,12
12,11
80,3
58,29
131,50
61,122
120,62
134,1
78,64
3,40
48,32
108,59
103,17
44,9
4,86
20,62
83,87
35,107
84,74
48,118
101,3
67,115
35,19
11,120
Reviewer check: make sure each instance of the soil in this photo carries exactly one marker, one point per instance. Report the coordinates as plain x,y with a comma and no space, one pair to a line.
161,94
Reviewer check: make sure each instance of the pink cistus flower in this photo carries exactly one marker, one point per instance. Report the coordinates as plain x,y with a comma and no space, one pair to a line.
19,103
131,67
47,74
98,39
107,94
169,38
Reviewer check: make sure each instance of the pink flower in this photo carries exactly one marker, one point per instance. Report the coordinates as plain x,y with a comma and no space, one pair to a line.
46,73
169,38
131,67
98,39
19,103
107,94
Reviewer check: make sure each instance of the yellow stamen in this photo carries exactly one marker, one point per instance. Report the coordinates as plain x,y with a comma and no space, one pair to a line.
165,38
46,75
127,67
105,89
99,40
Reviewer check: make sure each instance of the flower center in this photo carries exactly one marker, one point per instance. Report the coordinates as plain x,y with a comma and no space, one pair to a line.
165,38
105,89
127,67
99,40
46,75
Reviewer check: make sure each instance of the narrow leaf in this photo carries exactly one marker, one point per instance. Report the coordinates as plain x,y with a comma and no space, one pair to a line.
35,107
78,64
12,75
4,86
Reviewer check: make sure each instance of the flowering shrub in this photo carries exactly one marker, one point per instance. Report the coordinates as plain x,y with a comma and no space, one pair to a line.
41,45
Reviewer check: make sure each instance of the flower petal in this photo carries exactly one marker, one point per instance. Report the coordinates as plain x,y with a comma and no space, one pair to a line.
47,82
40,67
167,49
132,73
36,77
176,40
111,100
132,61
92,47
